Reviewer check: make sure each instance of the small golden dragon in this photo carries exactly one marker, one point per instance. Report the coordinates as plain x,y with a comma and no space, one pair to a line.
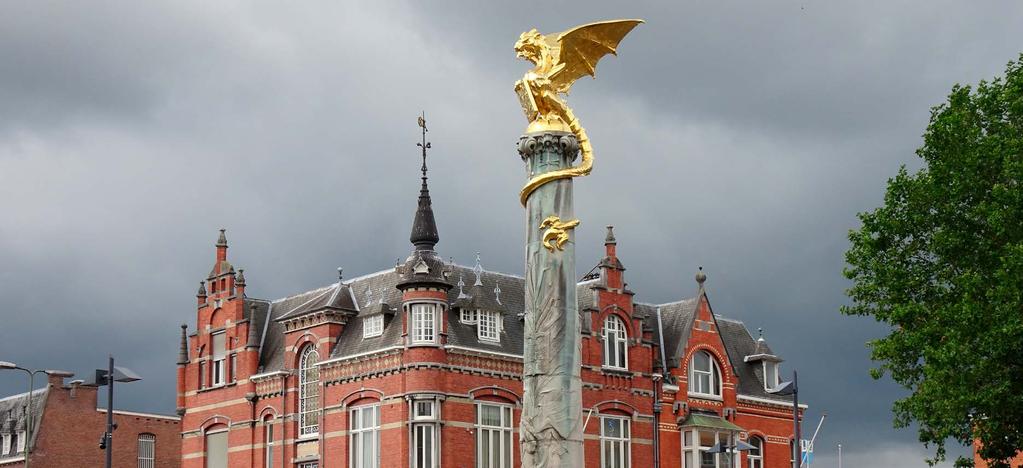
555,232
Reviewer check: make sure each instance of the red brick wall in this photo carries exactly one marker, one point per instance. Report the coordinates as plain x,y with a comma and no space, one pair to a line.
459,379
71,427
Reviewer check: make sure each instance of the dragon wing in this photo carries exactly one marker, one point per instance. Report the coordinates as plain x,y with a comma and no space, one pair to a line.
579,49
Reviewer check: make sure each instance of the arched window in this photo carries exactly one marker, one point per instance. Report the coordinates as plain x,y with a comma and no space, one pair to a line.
704,375
309,391
615,343
147,451
755,455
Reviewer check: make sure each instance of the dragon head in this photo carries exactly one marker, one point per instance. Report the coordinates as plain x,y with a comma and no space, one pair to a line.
530,46
549,221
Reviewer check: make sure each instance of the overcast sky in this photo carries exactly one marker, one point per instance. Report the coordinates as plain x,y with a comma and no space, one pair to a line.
743,137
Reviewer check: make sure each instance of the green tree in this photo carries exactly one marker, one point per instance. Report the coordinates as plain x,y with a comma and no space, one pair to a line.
941,262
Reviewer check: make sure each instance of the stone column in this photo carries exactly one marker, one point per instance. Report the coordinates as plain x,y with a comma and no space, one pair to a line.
551,431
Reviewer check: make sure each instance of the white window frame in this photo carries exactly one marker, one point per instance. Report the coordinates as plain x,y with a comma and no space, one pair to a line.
694,449
621,443
488,326
425,415
147,450
713,380
756,461
499,437
219,358
21,442
6,445
309,392
373,326
423,326
616,343
269,443
468,316
359,432
774,366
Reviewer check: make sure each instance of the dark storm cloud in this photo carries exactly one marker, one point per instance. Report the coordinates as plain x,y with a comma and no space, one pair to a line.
742,137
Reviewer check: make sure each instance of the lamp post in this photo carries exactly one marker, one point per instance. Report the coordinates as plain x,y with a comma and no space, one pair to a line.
792,388
5,365
107,377
731,450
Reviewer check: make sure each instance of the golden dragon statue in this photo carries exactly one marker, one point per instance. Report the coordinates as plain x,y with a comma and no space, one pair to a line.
560,60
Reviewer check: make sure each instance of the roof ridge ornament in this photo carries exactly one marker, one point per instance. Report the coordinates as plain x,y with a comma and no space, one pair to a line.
478,270
497,291
461,284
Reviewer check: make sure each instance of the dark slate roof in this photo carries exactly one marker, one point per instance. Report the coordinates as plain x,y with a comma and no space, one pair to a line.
378,293
12,415
739,344
677,320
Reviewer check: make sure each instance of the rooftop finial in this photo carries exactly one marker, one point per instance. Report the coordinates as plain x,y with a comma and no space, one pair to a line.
240,281
424,227
340,274
478,270
461,285
610,239
701,277
497,293
222,240
760,331
202,289
183,351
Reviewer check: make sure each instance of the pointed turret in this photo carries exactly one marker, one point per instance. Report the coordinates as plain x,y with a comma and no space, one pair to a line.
424,228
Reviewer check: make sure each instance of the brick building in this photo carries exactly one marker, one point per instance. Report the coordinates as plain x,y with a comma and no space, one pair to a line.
420,366
66,430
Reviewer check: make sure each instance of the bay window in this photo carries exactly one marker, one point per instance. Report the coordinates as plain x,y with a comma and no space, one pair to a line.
696,443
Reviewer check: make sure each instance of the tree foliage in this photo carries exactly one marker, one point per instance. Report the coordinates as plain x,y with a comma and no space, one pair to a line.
941,262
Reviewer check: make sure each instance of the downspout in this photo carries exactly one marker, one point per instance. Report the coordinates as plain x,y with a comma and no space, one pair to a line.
659,386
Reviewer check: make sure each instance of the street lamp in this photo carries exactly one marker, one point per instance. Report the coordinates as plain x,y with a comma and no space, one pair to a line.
107,377
6,365
792,388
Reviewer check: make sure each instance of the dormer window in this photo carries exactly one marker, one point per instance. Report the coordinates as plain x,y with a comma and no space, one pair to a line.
468,316
373,326
424,323
616,343
704,375
771,375
489,327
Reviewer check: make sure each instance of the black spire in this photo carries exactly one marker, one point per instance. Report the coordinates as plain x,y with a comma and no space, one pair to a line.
424,228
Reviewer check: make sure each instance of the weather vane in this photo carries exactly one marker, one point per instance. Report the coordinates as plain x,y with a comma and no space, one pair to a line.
425,145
